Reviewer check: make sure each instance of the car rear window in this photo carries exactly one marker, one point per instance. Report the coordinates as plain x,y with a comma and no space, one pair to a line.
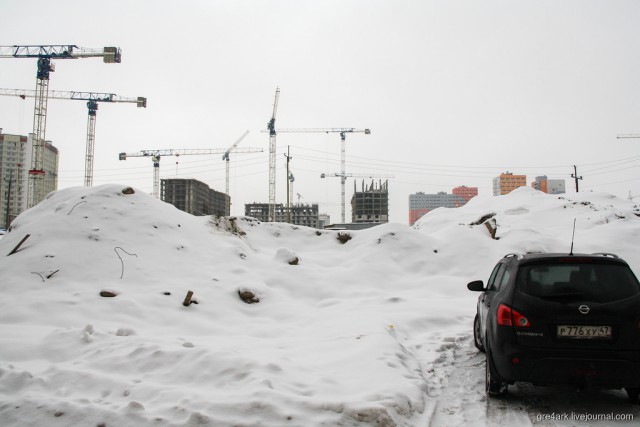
581,282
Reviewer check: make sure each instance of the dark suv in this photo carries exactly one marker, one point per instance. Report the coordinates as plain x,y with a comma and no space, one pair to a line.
560,319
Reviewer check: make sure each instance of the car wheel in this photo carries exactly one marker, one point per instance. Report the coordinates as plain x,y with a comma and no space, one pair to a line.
633,394
476,334
494,386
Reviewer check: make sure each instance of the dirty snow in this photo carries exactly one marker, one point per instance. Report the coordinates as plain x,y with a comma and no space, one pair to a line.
375,331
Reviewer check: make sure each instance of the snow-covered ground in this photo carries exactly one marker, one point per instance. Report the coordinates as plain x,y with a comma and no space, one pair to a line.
371,331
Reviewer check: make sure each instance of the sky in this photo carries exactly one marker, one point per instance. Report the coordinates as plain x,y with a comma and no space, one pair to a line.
454,92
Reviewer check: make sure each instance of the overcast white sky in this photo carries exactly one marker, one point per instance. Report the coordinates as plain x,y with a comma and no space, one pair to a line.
454,91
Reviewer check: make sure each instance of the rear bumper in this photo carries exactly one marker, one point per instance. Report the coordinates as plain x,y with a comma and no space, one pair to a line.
602,369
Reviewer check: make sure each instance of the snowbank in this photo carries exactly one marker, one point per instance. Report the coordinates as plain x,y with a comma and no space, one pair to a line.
95,330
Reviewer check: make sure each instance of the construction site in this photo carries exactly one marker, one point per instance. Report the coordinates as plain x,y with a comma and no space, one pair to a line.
35,175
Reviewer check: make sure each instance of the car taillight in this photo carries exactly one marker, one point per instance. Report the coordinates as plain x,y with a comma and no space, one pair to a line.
510,317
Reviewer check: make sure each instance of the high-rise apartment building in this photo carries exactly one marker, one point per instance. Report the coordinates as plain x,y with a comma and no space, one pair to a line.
506,182
194,197
550,186
15,162
371,204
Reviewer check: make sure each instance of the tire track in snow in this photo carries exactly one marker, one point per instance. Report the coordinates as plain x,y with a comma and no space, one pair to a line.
456,383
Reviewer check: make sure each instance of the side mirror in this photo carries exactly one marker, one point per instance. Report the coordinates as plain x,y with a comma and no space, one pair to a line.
476,286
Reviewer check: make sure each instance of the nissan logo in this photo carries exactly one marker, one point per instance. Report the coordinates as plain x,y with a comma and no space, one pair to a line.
583,309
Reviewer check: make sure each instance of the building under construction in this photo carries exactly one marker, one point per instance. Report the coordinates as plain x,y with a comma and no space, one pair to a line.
194,197
371,204
300,213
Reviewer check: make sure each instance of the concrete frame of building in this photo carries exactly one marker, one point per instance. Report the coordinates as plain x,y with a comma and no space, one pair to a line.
194,197
301,213
371,205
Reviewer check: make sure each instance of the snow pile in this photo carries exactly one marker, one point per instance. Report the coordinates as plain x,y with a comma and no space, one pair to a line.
285,326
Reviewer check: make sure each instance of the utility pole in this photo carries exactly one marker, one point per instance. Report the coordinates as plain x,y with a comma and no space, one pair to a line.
6,221
575,176
288,181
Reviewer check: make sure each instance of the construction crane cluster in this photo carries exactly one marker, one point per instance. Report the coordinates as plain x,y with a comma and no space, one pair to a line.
92,99
155,156
271,129
45,54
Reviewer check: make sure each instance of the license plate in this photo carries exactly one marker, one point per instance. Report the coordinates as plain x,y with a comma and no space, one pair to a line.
569,331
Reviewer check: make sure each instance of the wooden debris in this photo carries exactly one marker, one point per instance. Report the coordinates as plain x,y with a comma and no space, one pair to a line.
19,244
187,299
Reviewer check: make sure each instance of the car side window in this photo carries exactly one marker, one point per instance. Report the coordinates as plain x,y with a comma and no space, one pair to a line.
496,276
505,279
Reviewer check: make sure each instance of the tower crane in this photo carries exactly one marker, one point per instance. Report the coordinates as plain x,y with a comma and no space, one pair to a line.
225,157
271,127
155,156
343,137
45,54
92,99
343,177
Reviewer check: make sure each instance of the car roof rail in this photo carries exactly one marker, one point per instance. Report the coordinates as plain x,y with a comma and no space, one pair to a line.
607,254
513,255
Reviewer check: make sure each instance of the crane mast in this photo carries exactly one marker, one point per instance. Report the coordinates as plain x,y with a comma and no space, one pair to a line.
343,137
155,156
92,98
44,54
225,157
271,126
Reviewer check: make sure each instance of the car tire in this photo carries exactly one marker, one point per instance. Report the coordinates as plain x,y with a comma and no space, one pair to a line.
476,334
494,386
633,393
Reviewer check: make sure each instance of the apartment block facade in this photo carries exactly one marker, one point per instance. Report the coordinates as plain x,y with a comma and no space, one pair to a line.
506,182
421,203
549,186
194,197
15,162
